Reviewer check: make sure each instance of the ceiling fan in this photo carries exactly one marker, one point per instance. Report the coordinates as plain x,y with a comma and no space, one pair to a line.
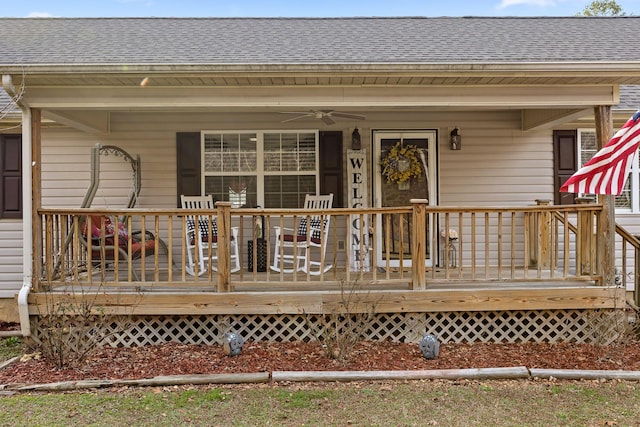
324,115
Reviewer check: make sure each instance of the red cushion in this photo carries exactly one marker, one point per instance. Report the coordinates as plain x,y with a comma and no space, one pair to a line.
123,239
301,238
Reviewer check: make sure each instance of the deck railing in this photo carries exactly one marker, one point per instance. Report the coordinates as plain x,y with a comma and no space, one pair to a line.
408,246
627,274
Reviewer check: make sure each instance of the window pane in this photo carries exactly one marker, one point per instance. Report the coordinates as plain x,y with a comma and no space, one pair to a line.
212,152
289,142
248,152
588,149
307,185
239,190
288,191
588,146
230,152
623,201
231,169
307,161
271,152
271,142
290,152
230,162
307,146
290,161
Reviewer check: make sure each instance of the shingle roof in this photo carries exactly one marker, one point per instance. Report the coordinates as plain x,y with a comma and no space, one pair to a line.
629,98
31,41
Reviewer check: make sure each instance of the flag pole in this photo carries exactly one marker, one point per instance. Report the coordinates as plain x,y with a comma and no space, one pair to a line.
607,220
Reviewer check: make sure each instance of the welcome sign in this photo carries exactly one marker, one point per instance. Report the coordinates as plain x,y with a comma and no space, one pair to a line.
359,254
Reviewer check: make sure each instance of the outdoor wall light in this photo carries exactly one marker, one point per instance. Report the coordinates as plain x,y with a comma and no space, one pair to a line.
455,140
356,141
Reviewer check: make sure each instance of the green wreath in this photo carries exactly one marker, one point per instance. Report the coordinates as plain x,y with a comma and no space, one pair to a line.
401,163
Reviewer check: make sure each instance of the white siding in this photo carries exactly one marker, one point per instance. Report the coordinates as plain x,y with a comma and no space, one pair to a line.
10,255
631,222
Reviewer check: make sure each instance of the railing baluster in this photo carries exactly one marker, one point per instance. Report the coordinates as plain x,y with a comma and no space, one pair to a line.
513,244
486,245
499,245
473,245
170,248
419,237
567,243
460,242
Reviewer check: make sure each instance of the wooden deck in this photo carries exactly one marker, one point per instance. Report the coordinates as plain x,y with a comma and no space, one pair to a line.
517,274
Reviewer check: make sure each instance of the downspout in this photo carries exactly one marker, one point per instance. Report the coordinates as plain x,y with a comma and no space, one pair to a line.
27,204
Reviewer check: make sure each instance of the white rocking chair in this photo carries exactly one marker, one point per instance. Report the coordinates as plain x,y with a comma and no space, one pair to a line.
200,226
292,251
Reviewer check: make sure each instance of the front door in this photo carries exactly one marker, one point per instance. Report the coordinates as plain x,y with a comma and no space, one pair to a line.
393,193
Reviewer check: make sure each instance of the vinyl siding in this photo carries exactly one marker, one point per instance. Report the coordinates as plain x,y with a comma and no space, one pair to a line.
10,255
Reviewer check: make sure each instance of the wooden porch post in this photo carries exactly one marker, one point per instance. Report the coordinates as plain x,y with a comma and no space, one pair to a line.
606,219
224,233
36,192
540,236
419,243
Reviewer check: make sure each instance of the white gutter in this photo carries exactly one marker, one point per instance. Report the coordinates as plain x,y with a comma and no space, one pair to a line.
27,230
611,68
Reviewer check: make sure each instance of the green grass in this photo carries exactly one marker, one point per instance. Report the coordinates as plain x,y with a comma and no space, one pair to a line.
302,398
10,347
414,403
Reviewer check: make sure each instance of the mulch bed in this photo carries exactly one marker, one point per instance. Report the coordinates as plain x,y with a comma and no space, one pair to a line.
181,359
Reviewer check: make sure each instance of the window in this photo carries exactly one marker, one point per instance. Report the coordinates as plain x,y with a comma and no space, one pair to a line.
269,169
10,176
626,202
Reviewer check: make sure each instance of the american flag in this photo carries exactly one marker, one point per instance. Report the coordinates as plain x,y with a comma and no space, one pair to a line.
607,171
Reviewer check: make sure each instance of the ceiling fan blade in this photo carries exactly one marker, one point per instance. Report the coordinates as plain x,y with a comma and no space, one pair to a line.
348,115
296,118
300,115
327,119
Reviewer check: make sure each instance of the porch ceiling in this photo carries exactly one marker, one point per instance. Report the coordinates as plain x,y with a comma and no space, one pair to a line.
546,94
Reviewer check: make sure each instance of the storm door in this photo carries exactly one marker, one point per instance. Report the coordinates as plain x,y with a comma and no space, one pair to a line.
396,155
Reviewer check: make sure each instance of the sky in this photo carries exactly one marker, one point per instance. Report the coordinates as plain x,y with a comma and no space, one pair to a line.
297,8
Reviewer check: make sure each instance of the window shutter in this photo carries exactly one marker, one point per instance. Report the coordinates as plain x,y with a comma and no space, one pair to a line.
565,163
330,154
11,176
188,164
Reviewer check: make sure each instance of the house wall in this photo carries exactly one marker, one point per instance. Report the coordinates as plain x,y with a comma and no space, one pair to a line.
499,165
10,257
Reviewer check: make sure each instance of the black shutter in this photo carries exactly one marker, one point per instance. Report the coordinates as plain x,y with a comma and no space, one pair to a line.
565,163
330,153
188,164
11,176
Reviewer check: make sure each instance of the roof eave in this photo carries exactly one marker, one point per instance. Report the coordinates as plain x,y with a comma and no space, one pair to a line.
328,67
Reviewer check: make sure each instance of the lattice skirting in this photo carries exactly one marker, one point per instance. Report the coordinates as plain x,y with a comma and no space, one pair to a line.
580,326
